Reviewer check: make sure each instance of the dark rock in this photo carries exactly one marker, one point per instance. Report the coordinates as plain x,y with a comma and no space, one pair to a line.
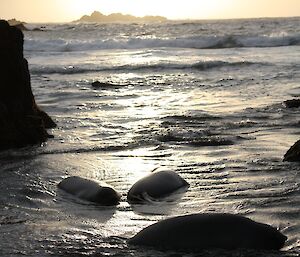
38,29
21,26
21,121
293,154
18,24
293,103
98,84
48,122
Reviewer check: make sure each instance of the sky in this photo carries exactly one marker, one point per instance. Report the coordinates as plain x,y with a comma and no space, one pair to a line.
69,10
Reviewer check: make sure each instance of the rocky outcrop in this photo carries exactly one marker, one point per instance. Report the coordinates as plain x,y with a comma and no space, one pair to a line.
293,154
21,121
18,24
119,17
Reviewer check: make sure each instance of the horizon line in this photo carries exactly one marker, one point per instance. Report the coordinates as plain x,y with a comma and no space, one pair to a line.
168,19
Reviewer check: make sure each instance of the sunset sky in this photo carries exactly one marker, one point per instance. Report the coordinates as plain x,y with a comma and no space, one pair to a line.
68,10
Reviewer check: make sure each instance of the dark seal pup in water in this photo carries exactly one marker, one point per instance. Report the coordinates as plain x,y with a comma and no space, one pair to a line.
209,231
156,186
90,190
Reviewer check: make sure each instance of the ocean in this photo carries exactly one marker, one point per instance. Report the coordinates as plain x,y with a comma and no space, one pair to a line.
201,98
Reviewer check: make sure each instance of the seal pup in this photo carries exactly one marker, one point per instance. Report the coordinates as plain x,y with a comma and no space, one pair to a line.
90,190
157,186
209,231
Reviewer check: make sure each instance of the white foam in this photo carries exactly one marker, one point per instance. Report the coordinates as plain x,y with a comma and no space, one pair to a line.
200,65
198,42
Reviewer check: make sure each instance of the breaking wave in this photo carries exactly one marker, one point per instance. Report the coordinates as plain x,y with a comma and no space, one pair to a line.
200,66
197,42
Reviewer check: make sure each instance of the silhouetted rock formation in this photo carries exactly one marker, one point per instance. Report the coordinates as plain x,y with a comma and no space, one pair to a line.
21,121
18,24
118,17
293,154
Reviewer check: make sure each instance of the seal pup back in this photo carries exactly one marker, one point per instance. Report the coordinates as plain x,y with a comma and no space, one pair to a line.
90,190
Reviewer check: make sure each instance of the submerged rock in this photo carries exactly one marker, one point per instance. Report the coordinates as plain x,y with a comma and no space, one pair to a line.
293,154
198,232
104,85
293,103
21,121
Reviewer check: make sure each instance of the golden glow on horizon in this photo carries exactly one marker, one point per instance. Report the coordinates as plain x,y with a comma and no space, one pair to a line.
68,10
155,7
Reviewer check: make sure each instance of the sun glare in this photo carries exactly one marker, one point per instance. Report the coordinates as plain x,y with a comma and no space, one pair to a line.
69,10
78,7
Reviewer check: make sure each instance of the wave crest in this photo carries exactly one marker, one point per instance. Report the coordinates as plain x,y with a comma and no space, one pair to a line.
200,66
197,42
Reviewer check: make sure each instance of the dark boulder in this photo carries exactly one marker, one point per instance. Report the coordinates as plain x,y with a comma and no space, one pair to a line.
293,103
293,154
21,121
104,85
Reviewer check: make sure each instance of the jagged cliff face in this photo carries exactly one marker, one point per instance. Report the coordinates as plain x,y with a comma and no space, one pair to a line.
21,121
118,17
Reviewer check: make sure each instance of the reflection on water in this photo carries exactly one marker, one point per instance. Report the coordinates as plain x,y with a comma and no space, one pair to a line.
214,116
235,179
258,188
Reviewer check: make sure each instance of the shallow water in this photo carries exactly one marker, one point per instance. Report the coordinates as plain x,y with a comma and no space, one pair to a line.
214,116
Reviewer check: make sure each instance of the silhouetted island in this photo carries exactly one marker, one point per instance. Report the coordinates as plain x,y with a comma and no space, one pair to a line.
118,17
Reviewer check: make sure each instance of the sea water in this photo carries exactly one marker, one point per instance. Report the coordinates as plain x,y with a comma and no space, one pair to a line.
203,99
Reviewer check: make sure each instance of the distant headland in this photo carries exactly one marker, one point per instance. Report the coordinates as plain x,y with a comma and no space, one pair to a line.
118,17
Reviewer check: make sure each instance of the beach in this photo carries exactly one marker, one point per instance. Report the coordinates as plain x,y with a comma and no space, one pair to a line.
201,98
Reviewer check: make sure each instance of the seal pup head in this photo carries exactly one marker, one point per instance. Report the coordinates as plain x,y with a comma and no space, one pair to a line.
106,196
266,237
